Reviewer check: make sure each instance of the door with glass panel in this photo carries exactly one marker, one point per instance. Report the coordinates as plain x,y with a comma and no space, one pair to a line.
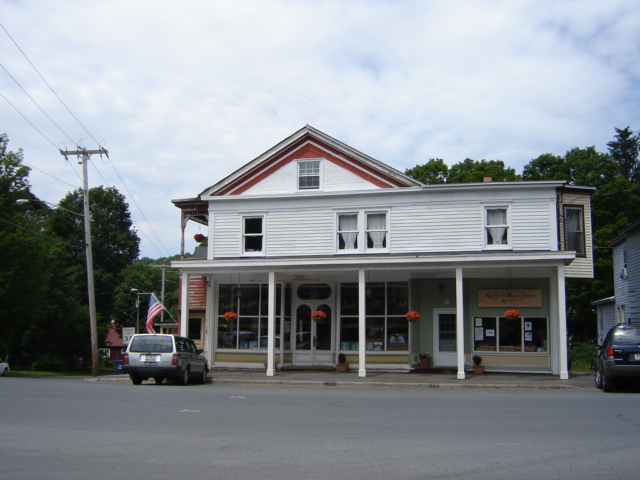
444,335
313,344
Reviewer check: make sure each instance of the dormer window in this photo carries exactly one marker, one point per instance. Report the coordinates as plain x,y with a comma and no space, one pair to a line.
309,175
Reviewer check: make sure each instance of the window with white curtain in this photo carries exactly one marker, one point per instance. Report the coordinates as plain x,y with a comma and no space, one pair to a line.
362,231
497,227
348,231
376,230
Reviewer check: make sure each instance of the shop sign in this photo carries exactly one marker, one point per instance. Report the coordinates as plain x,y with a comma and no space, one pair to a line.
531,297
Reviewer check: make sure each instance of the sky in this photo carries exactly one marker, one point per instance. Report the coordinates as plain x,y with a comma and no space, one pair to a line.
183,93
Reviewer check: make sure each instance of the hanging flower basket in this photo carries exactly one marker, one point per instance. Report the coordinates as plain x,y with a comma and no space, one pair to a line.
512,314
318,315
198,237
413,316
230,316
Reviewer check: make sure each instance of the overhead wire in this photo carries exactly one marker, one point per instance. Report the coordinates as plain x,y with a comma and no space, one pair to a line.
75,143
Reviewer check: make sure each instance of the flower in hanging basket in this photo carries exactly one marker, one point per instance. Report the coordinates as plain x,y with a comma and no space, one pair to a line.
413,316
230,316
198,237
318,315
512,314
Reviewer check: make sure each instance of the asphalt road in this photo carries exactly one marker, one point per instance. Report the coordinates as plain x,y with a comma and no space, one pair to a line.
67,428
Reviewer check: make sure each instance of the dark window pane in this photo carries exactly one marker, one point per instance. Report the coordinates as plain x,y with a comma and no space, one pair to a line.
314,291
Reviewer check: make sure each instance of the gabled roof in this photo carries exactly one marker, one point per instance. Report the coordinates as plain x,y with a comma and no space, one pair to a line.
309,142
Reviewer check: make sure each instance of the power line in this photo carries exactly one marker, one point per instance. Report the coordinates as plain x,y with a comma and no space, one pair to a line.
29,121
36,104
50,87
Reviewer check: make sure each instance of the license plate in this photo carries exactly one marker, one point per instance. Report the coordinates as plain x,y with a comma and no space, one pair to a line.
149,358
636,356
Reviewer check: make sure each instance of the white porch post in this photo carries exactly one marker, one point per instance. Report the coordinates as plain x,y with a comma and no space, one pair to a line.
562,324
209,324
362,326
460,324
271,329
184,304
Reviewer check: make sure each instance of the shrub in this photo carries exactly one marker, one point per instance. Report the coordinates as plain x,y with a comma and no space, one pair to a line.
581,356
54,365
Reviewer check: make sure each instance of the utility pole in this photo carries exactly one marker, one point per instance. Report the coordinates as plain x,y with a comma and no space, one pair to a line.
83,157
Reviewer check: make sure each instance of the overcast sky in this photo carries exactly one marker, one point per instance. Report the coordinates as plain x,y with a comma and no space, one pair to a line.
182,93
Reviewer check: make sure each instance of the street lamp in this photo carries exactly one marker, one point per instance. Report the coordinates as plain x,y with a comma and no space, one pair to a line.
22,201
138,293
95,366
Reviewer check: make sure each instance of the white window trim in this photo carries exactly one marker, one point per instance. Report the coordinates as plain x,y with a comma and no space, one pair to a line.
509,225
320,174
362,231
245,216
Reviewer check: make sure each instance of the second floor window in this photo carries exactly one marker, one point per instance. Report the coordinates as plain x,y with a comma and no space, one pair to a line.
362,231
496,226
574,230
253,235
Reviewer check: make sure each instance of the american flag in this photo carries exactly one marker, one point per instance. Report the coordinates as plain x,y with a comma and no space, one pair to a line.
155,307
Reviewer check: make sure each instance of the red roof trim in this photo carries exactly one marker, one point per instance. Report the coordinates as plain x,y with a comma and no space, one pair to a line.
306,148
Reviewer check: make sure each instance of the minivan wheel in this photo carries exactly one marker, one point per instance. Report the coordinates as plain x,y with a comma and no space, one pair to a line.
158,380
607,383
184,379
136,380
598,378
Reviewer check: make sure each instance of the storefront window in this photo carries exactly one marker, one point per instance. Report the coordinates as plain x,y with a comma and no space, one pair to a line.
499,334
251,303
386,325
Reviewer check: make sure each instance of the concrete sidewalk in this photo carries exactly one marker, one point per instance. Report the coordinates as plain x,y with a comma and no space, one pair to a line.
390,380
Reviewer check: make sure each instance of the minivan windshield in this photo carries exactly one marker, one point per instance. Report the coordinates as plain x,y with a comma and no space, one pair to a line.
151,343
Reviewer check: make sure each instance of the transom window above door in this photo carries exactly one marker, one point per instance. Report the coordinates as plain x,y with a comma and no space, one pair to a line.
362,231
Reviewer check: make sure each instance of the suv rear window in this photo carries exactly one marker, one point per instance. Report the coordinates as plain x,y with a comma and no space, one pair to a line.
626,336
151,344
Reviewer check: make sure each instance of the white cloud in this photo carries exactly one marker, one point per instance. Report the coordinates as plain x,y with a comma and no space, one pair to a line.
184,93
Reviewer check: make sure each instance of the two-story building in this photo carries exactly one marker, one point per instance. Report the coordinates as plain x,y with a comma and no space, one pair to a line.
624,307
315,225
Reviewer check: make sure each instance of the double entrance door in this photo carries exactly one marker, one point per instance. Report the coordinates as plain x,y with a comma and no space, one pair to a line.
314,340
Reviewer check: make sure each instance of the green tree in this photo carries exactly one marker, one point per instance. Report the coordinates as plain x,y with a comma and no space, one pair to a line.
475,171
624,150
434,171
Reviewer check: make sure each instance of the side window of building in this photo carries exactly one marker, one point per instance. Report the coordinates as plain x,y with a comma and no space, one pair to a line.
371,227
497,230
574,230
309,175
253,235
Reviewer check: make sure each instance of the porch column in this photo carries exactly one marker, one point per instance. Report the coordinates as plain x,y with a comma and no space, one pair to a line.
184,304
362,326
460,324
562,323
271,329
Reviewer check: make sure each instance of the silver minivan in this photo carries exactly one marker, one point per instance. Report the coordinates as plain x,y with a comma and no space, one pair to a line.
160,356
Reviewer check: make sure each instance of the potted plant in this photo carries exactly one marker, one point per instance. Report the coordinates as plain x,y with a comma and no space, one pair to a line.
425,360
230,316
318,315
478,368
342,365
198,237
413,316
512,314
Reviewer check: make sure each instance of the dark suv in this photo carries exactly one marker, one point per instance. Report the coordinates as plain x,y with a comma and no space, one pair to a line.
618,356
164,356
